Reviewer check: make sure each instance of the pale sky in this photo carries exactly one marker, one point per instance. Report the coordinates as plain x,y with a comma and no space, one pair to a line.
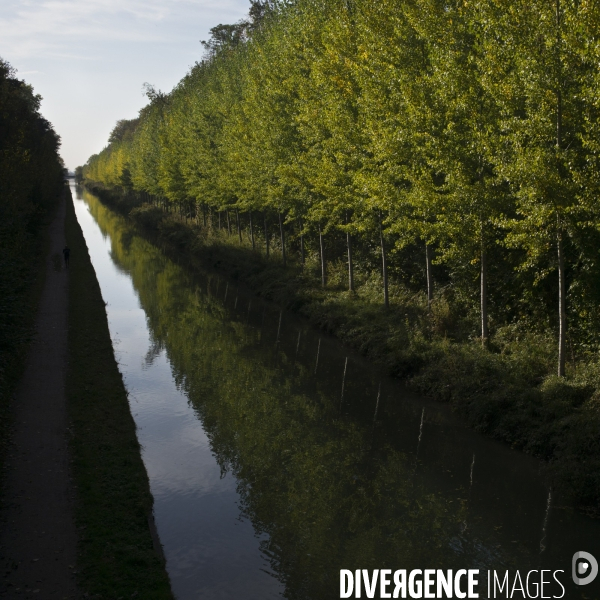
89,58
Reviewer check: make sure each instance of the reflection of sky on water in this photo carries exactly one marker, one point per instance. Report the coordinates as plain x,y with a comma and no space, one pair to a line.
211,552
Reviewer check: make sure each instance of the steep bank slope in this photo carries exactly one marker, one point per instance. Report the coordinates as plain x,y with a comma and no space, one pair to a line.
119,553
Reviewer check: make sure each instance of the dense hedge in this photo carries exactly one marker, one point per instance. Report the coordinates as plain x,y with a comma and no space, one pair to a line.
31,178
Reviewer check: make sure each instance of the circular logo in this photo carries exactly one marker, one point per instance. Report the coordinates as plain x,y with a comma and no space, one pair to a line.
585,568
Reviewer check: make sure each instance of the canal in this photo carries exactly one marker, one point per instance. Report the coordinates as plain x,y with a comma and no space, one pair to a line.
277,457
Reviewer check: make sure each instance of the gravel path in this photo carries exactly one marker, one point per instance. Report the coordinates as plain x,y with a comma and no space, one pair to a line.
38,538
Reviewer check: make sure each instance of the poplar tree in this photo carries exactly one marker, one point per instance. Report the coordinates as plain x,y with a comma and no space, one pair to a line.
534,62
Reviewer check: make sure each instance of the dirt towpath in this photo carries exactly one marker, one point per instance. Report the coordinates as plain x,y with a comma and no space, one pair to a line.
38,538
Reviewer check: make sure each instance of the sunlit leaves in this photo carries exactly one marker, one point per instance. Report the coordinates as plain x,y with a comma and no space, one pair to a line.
438,119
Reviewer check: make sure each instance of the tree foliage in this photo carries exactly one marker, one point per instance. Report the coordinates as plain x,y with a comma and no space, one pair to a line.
463,131
31,177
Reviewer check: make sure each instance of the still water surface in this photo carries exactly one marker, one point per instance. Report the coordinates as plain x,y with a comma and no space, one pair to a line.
276,457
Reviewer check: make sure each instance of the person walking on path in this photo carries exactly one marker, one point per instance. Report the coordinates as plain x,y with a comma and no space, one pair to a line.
66,254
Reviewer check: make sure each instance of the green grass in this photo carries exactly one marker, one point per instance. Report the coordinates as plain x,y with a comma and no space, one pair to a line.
508,392
117,557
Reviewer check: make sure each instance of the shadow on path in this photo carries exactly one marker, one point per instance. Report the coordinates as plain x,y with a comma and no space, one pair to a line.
38,538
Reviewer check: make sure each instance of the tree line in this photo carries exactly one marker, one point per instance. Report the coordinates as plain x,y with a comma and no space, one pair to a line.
462,135
31,178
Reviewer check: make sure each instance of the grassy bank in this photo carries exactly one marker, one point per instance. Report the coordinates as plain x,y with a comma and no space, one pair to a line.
507,392
118,558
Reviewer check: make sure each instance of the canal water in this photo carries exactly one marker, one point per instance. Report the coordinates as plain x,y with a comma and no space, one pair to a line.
277,457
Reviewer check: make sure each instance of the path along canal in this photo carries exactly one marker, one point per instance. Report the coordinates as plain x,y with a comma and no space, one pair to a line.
276,457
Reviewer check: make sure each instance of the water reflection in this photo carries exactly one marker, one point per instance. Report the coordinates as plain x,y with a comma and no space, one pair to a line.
277,458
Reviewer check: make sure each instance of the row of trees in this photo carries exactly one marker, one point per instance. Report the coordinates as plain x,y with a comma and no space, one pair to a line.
31,177
467,129
31,170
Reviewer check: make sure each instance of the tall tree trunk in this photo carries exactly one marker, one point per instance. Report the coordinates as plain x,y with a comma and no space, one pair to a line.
282,235
204,214
429,275
266,235
562,304
228,223
386,296
483,281
350,263
219,220
301,243
562,292
239,227
251,231
323,265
